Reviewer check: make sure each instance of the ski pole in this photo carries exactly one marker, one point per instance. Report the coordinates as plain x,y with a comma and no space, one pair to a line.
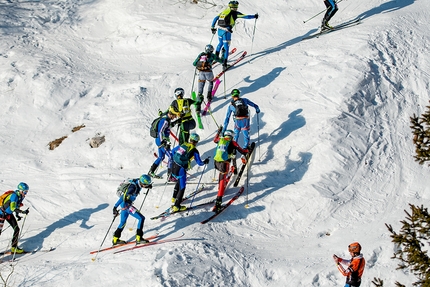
225,90
252,42
247,182
321,12
162,194
198,184
20,233
210,112
258,137
147,191
110,226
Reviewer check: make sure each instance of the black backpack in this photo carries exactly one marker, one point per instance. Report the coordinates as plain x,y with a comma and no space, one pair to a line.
203,64
241,108
153,131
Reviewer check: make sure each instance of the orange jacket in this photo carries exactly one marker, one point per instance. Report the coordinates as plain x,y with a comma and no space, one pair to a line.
354,271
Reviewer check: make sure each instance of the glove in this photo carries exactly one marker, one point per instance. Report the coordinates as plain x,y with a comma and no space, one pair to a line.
149,186
177,122
336,259
256,16
213,29
206,161
257,110
230,30
219,130
18,217
115,211
21,211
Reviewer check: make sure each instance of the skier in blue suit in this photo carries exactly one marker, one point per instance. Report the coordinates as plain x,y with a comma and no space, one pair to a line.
163,142
125,202
240,111
182,156
226,21
331,10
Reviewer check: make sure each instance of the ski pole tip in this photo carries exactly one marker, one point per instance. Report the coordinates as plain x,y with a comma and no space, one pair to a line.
246,206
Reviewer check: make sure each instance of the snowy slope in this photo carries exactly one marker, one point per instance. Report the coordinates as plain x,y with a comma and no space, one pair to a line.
334,161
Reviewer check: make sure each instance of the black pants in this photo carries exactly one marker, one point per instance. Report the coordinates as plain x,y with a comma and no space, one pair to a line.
12,222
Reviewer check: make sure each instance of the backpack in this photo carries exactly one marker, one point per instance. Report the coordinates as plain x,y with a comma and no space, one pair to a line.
153,131
203,64
241,108
225,18
182,155
3,197
221,152
123,187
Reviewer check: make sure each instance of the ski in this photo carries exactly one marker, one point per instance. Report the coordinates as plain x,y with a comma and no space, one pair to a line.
121,245
232,65
229,54
335,28
224,206
214,89
169,212
188,196
27,252
199,119
152,243
242,168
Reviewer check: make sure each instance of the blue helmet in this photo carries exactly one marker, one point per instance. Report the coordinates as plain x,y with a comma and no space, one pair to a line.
22,186
194,138
145,179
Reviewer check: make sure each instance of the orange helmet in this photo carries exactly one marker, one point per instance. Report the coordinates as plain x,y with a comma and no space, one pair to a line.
354,247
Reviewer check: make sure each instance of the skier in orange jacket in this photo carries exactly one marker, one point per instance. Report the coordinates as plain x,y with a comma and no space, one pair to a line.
355,266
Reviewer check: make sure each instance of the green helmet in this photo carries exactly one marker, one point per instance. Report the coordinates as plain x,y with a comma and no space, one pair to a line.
235,93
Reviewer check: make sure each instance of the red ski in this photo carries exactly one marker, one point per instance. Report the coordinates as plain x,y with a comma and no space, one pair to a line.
121,245
232,65
152,243
224,206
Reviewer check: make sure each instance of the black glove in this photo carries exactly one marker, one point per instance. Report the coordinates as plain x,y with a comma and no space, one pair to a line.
18,217
213,29
206,161
219,130
256,16
115,211
230,29
148,186
21,211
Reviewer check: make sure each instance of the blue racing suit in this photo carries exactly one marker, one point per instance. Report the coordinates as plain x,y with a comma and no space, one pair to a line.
241,124
226,21
125,203
179,169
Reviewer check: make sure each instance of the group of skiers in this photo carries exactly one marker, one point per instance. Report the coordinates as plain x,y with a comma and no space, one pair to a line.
180,157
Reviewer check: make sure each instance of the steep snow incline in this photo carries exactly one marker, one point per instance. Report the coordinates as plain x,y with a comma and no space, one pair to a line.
334,161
